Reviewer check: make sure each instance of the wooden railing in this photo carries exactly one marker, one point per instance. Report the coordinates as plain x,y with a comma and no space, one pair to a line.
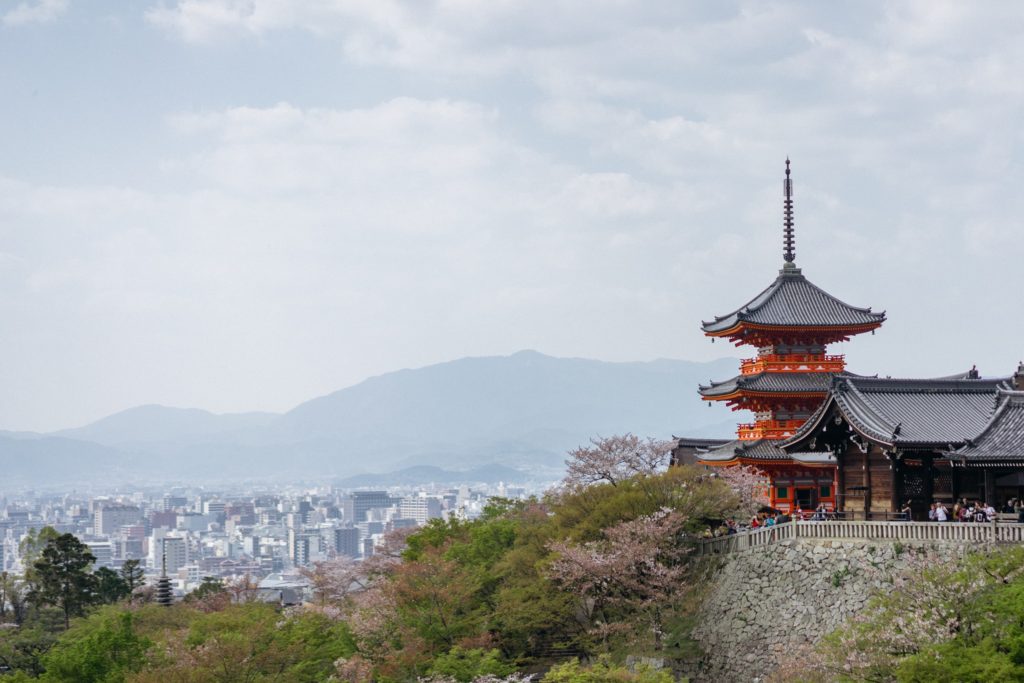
768,429
952,532
793,362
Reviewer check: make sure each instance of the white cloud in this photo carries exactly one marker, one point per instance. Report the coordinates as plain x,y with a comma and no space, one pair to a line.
589,178
38,12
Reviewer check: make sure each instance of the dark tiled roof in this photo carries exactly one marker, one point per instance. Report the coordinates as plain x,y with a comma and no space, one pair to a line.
793,301
761,449
1003,436
910,412
771,383
814,457
687,442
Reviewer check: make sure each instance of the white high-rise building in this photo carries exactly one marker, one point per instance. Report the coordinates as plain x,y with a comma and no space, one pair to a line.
109,518
103,551
302,545
11,561
175,548
420,508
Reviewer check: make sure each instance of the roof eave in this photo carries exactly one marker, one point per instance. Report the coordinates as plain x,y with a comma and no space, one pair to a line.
742,325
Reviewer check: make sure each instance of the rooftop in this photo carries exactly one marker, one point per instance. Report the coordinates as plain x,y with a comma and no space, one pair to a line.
910,412
763,450
770,383
793,301
1003,437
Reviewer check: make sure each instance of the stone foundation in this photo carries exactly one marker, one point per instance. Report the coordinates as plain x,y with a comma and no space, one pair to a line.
767,602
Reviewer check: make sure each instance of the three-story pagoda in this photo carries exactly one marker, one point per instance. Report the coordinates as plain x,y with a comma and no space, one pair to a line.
790,324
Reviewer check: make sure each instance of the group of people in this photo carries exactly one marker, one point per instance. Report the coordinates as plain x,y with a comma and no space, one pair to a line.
726,529
966,511
766,518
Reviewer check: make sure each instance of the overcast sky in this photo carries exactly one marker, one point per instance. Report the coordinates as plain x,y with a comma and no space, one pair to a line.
242,204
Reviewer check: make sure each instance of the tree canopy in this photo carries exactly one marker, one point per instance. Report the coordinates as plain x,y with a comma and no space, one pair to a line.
63,577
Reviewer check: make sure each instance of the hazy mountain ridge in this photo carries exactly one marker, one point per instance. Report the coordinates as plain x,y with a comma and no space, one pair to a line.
429,474
45,458
525,410
154,423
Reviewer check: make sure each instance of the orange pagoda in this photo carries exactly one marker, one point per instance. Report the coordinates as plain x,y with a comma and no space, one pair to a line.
790,324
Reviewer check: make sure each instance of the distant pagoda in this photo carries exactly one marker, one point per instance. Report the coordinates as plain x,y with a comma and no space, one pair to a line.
164,592
791,323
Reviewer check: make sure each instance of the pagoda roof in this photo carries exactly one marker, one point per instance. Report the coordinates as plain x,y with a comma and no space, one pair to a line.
1002,438
761,450
793,301
770,383
908,413
699,442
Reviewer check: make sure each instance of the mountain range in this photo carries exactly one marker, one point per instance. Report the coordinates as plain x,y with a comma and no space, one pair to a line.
522,411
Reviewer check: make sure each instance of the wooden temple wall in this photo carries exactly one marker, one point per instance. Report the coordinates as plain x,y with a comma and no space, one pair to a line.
854,484
881,481
864,476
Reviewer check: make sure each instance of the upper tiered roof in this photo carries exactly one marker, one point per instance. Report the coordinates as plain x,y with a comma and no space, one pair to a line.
792,302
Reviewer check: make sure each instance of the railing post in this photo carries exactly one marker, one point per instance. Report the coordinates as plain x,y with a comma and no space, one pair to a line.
992,538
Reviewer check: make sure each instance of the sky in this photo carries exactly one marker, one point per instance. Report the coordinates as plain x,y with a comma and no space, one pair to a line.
242,204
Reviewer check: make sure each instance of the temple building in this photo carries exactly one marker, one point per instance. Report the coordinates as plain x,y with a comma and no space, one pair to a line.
865,446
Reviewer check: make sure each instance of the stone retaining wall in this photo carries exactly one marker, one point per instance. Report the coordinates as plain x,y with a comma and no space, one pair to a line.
769,601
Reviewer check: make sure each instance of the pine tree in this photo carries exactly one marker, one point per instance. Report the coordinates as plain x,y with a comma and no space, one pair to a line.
63,576
133,576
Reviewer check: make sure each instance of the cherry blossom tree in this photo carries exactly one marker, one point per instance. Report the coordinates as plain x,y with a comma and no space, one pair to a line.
614,459
750,486
244,589
627,581
333,581
354,669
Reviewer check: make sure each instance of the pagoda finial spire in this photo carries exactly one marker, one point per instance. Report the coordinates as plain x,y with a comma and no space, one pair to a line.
788,241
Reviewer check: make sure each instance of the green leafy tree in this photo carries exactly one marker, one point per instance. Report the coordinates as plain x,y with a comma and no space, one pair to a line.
102,649
468,665
133,576
30,549
209,586
110,587
211,595
988,643
12,598
22,649
32,545
63,577
245,642
604,672
435,602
